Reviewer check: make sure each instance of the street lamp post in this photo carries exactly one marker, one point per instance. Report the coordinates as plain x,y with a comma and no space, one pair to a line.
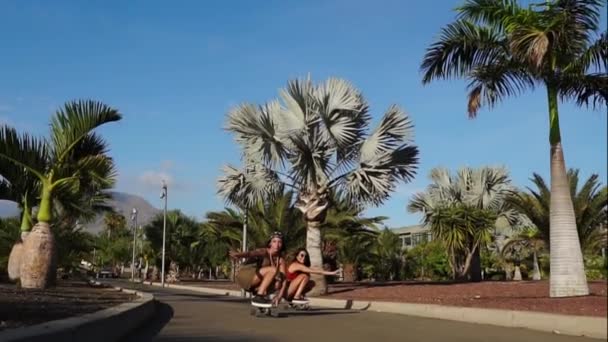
134,220
245,219
163,195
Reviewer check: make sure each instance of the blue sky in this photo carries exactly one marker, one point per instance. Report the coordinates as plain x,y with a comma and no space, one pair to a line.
175,69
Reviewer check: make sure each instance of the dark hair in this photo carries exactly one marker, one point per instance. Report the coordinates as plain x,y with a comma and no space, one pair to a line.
306,258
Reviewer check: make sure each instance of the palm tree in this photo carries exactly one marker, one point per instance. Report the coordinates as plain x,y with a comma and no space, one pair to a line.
463,210
503,49
113,222
315,142
62,165
590,202
387,252
353,250
182,231
528,241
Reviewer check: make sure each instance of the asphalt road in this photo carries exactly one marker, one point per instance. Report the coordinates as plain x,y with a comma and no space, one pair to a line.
190,316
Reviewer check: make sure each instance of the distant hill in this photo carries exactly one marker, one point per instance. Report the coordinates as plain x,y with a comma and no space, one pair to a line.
8,209
122,202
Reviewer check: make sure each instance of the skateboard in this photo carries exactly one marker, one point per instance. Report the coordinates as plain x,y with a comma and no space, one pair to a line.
300,305
264,311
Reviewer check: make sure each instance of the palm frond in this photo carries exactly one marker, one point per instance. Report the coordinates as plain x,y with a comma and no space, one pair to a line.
343,112
21,153
245,189
594,59
589,90
74,122
394,129
491,84
572,25
258,132
489,12
461,48
372,182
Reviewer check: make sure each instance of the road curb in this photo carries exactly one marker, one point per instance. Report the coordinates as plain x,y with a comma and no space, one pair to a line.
594,327
109,324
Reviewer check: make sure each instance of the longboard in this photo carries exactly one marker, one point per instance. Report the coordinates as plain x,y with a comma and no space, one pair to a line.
300,304
264,310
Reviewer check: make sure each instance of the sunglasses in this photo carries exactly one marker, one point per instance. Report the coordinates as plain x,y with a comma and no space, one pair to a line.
303,255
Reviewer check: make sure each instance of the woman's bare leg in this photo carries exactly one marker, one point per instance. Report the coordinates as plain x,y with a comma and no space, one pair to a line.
266,274
302,285
294,285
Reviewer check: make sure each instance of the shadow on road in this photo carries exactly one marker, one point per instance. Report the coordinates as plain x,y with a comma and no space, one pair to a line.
151,327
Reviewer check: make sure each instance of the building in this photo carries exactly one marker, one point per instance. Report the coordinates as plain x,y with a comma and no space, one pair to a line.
412,236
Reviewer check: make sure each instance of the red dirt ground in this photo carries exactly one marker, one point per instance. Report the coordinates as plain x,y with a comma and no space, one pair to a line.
524,295
22,307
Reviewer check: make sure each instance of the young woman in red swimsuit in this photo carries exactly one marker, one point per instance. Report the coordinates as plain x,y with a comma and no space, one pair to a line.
298,276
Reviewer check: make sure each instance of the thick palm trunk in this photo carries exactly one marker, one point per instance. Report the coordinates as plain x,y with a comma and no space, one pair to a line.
38,265
536,271
14,261
313,245
517,275
567,268
14,258
350,272
475,268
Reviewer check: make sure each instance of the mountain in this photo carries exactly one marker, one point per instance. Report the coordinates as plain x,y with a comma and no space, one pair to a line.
122,202
8,209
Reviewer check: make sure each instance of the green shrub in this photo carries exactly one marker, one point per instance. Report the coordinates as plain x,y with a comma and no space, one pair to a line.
428,261
596,267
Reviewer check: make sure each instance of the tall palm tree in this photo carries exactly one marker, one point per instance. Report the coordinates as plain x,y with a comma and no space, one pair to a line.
462,211
315,141
590,202
503,49
62,165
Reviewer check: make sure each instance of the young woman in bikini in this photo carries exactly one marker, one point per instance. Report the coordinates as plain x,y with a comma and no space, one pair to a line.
298,276
264,271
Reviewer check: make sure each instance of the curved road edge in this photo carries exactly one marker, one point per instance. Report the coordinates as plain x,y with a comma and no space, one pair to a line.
109,324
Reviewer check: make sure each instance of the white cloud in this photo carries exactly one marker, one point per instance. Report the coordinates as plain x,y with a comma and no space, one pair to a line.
153,179
167,165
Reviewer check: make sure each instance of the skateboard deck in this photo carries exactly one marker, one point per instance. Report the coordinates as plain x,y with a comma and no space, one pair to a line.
299,304
264,310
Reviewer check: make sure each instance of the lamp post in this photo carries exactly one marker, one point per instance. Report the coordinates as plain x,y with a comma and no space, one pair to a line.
245,219
163,195
134,220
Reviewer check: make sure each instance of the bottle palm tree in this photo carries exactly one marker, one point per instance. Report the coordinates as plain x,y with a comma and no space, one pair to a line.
62,165
504,49
590,202
314,142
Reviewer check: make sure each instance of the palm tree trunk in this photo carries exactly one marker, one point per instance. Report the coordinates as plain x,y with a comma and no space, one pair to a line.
38,263
313,245
536,271
14,258
350,272
517,275
14,261
475,266
567,269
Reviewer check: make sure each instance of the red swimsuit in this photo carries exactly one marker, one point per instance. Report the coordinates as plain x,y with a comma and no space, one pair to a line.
292,276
